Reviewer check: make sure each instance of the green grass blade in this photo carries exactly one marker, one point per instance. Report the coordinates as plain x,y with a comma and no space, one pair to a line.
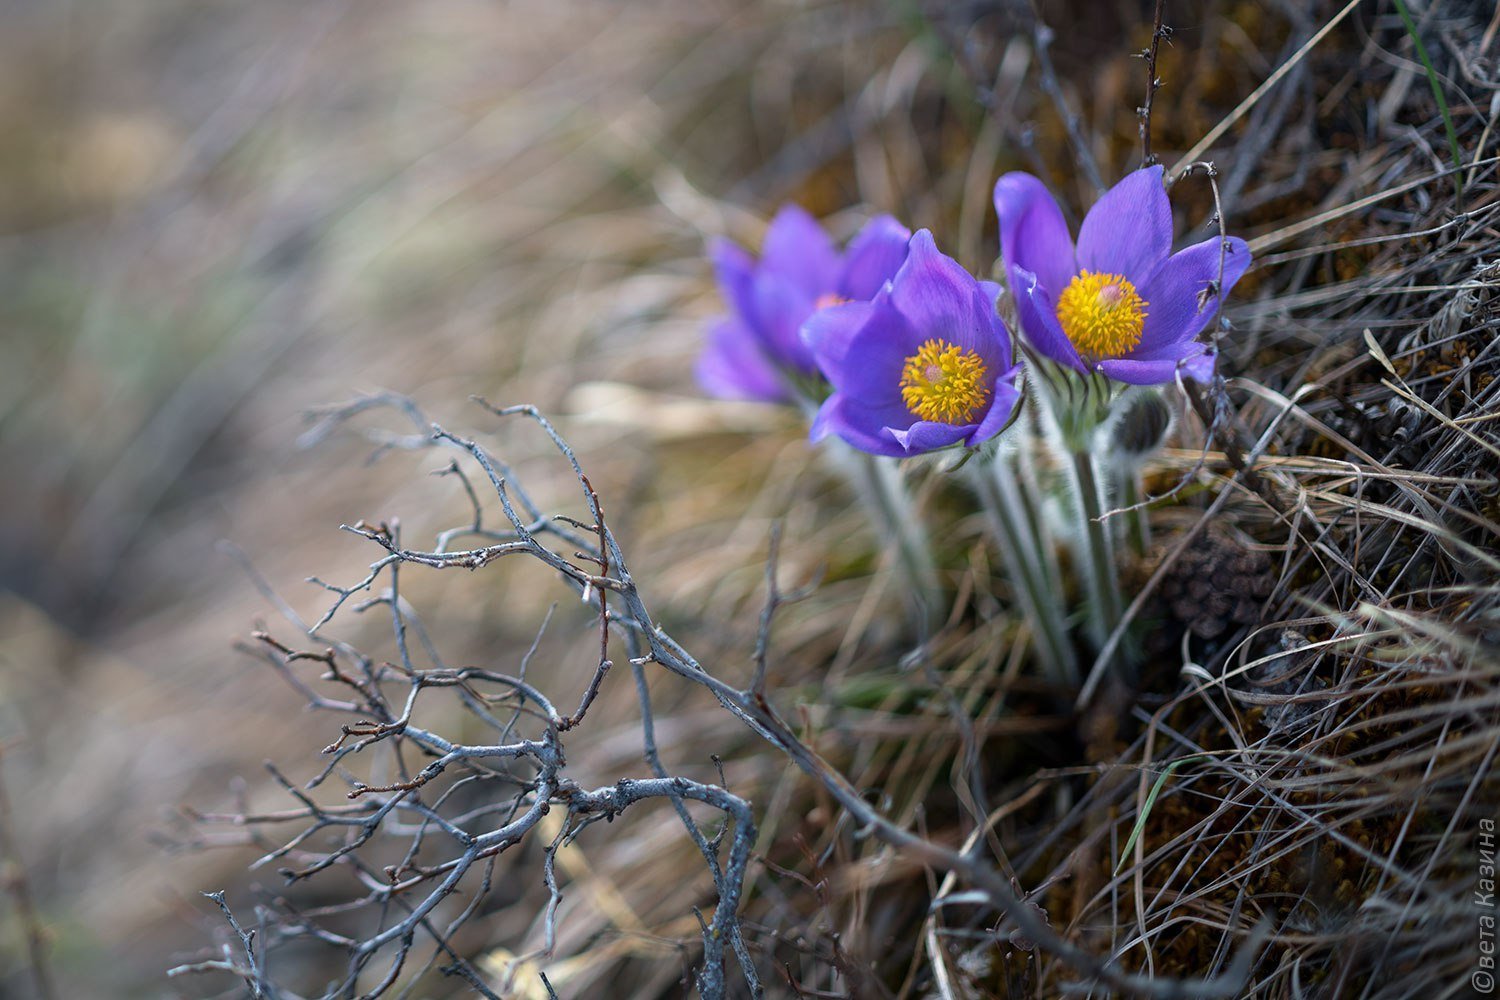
1140,821
1437,93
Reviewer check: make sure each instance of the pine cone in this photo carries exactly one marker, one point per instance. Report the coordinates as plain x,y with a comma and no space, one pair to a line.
1218,583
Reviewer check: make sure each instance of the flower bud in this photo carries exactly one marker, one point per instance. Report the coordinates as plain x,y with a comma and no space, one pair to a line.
1140,427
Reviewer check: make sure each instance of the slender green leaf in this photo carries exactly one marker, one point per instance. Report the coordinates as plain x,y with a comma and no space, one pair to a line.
1140,821
1437,92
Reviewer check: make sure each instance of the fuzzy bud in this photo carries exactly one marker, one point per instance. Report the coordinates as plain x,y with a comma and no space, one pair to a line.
1141,426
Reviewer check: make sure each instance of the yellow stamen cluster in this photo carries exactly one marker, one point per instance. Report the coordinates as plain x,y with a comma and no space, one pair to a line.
1102,314
829,299
944,383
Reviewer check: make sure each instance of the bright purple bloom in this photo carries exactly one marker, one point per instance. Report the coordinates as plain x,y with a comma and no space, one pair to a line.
1121,303
755,352
926,364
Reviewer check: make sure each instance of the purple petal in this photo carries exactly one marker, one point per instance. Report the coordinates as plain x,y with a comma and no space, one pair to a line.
829,331
826,419
735,270
733,366
940,299
1192,359
780,309
925,435
1001,407
860,427
1038,316
1199,366
1129,230
1033,234
995,347
873,418
1140,372
870,370
873,258
798,249
1173,311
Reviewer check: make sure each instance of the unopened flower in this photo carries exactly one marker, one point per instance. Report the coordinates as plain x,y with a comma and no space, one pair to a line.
1142,421
755,352
926,364
1121,302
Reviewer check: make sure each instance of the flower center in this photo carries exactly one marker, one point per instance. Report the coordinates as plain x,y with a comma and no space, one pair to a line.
1102,314
829,299
944,383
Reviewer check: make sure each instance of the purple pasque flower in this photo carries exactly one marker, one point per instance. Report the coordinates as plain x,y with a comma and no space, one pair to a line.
755,352
1121,302
926,364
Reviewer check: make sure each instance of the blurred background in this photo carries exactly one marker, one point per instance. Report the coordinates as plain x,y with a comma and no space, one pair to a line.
216,217
212,218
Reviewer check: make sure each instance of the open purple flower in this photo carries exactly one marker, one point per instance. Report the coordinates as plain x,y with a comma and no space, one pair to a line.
926,364
755,352
1121,303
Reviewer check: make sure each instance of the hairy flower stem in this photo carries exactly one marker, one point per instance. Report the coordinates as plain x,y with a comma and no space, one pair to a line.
893,517
1075,408
1026,559
1097,549
1137,523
